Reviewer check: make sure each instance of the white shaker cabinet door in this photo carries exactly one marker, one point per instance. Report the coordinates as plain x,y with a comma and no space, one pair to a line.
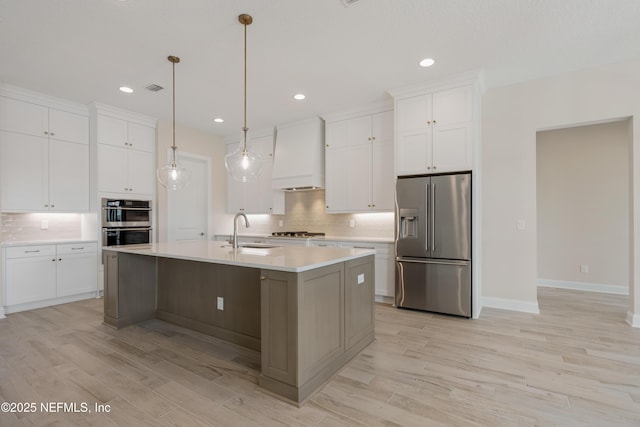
23,172
68,172
23,117
142,138
76,273
112,169
141,171
30,279
69,127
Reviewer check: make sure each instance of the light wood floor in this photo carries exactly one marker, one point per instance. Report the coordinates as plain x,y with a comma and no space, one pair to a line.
577,363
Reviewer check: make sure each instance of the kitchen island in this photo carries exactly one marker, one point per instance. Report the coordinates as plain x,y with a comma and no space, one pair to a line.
308,310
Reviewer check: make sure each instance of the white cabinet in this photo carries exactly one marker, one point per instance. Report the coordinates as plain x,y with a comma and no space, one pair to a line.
434,132
77,268
126,156
30,274
255,197
44,158
42,275
384,260
359,164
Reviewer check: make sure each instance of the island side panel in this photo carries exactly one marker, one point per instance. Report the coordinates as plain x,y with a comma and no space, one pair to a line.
279,293
188,293
130,288
298,361
359,300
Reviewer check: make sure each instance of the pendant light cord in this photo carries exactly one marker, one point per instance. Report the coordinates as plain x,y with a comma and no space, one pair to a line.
173,145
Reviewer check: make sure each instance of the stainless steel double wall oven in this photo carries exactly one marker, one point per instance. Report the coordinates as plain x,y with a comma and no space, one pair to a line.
126,222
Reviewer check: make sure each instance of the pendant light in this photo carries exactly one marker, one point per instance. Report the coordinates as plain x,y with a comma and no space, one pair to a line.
171,176
242,164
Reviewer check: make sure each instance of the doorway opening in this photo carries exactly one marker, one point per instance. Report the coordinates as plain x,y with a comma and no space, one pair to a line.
583,207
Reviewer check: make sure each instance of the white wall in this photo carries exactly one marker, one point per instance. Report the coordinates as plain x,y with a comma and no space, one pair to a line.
511,116
203,144
583,207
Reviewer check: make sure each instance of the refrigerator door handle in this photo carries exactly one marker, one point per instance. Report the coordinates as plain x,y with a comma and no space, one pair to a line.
426,222
400,300
433,218
432,261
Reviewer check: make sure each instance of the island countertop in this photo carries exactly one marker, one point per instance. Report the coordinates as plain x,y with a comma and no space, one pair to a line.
282,258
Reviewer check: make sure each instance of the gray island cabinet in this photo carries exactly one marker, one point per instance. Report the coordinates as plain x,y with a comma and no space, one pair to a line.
307,310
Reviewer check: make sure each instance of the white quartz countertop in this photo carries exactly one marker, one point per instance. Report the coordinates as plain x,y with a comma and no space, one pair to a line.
283,258
11,243
328,238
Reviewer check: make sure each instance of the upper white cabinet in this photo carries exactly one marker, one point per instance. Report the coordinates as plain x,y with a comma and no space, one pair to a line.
256,197
434,131
44,157
359,163
126,154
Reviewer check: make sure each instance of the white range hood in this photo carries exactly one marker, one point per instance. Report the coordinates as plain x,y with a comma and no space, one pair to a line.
298,161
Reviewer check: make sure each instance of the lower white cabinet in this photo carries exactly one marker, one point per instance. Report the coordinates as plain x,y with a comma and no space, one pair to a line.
385,267
42,275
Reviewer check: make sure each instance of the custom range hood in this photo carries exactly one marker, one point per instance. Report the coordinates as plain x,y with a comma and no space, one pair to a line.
298,161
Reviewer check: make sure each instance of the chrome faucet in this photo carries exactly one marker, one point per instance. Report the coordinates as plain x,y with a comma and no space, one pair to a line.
234,242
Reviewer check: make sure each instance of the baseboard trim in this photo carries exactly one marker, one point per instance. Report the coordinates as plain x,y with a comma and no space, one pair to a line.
384,299
583,286
511,304
633,319
2,316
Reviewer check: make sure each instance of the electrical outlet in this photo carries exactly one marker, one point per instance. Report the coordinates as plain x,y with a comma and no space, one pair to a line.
44,224
220,303
352,223
521,224
584,268
280,223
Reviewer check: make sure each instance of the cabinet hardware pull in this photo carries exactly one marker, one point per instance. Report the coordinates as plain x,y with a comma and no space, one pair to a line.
52,134
53,206
363,247
53,260
77,249
59,259
263,277
32,252
46,133
46,206
434,122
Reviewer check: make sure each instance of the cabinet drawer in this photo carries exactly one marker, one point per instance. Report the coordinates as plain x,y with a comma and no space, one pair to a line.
30,251
77,248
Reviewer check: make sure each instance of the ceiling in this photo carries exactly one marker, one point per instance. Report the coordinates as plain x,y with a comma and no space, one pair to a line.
341,57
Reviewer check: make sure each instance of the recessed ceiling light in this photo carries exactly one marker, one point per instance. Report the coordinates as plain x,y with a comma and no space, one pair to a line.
218,120
126,89
299,96
427,62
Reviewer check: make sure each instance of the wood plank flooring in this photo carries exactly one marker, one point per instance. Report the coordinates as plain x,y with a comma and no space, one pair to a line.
575,364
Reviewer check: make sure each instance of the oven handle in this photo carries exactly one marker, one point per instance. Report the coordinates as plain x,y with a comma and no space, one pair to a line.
105,229
118,208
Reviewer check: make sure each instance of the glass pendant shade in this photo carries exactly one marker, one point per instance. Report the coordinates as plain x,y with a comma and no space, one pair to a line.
173,177
242,164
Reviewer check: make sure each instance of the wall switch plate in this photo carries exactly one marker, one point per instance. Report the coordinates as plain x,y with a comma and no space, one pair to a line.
521,224
220,303
352,223
44,224
584,268
360,278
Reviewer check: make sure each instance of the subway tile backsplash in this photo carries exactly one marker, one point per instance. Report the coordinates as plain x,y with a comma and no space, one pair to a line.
305,211
22,227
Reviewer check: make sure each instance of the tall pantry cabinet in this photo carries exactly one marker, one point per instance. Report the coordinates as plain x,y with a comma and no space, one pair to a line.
40,137
126,144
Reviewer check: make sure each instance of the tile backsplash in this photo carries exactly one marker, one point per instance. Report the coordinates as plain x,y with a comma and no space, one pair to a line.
305,211
20,227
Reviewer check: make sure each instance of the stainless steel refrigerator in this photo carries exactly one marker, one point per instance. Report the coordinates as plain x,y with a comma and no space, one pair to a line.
433,243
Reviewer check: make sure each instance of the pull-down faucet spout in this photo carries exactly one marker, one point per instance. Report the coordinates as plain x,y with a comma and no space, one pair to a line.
234,242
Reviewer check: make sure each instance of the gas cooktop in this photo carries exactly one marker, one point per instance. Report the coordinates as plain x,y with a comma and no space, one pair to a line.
298,234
